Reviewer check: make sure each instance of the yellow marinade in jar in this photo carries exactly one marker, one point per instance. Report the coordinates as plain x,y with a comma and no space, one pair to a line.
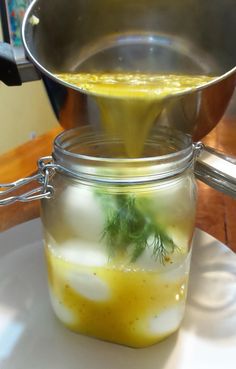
103,282
118,255
130,306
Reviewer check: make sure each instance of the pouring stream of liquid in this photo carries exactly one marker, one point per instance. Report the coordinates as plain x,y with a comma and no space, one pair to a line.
129,104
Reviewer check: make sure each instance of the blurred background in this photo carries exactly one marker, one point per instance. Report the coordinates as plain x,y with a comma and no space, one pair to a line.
25,111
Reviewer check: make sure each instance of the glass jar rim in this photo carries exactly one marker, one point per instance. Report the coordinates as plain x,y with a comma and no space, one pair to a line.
120,169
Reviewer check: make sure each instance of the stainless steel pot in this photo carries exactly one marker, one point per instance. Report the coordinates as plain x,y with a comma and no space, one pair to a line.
185,37
171,36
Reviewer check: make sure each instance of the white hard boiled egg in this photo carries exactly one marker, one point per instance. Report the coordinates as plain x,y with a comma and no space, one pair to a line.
82,213
167,321
62,312
88,285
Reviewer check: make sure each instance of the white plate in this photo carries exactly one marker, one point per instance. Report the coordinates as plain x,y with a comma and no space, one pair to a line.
32,338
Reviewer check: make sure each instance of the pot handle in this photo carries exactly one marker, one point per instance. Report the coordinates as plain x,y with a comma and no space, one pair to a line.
216,170
13,70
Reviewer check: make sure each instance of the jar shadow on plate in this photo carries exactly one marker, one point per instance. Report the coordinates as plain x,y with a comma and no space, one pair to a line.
212,290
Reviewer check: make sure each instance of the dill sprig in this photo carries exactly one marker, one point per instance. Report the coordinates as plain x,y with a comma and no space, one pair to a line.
130,229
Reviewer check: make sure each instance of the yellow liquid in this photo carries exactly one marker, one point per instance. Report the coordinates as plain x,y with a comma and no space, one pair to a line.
125,306
130,103
134,86
142,306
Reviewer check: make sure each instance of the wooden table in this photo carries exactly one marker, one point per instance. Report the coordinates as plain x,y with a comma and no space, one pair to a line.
216,212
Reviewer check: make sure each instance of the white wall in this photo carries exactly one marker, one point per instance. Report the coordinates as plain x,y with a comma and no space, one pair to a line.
24,112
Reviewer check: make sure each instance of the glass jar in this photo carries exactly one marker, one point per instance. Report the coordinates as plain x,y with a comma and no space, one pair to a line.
118,235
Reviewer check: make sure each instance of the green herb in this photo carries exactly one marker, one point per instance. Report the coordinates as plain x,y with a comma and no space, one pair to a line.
131,229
